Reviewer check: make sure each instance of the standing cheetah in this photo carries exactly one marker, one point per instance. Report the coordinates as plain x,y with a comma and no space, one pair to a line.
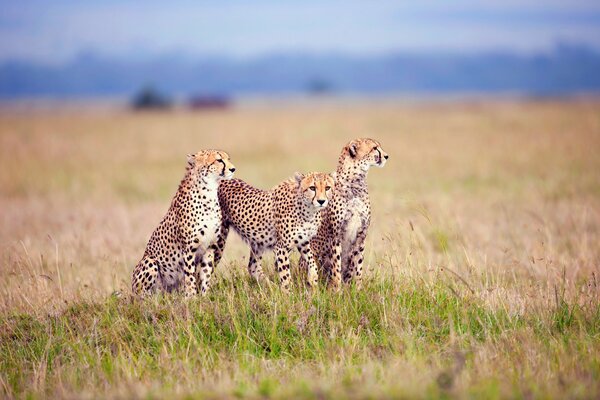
188,233
282,218
340,241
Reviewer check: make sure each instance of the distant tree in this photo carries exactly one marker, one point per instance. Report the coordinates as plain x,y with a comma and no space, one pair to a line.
319,86
149,98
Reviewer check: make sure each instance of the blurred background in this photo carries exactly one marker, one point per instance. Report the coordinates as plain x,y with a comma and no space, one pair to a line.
209,53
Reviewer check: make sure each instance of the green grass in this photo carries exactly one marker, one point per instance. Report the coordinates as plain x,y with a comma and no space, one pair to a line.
247,341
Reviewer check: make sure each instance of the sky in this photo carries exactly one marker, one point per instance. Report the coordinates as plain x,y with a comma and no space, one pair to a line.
57,31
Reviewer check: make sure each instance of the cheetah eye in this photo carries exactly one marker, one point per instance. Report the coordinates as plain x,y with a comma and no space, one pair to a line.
313,188
327,187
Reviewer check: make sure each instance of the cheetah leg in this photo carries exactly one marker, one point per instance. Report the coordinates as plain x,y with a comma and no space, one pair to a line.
335,264
255,264
206,270
355,260
322,258
189,270
302,266
282,263
309,261
220,246
145,276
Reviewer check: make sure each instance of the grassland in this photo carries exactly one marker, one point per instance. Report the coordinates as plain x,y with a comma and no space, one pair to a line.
484,256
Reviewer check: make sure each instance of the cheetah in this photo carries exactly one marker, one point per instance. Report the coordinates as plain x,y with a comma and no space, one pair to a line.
279,219
339,243
188,233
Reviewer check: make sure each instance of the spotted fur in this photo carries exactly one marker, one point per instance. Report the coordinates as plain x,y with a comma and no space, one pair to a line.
280,219
340,242
188,233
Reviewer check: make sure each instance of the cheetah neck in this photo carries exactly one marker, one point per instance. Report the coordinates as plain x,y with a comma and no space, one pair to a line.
194,186
351,178
209,185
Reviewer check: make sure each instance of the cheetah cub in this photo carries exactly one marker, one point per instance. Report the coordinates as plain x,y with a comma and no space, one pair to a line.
282,218
187,235
340,241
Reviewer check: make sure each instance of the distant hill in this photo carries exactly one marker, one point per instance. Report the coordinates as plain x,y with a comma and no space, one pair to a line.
567,69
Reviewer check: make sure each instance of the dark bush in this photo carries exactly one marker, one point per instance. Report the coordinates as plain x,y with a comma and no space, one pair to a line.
150,98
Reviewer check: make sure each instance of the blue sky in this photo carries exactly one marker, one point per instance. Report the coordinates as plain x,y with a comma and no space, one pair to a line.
56,31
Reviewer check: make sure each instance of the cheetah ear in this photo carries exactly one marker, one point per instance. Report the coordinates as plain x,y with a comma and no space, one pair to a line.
298,177
333,176
191,159
352,148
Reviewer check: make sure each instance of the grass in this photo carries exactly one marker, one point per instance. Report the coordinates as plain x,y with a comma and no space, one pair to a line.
483,257
248,341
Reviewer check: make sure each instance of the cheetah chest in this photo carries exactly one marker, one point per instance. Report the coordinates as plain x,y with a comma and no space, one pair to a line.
356,217
209,232
209,224
307,231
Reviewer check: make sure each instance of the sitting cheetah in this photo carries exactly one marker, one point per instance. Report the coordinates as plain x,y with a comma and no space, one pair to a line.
282,218
188,233
339,243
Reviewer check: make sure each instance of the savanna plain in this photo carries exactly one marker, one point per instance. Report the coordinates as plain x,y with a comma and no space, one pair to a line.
483,257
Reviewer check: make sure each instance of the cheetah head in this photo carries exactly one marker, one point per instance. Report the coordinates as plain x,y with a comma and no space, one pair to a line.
365,153
213,163
316,188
